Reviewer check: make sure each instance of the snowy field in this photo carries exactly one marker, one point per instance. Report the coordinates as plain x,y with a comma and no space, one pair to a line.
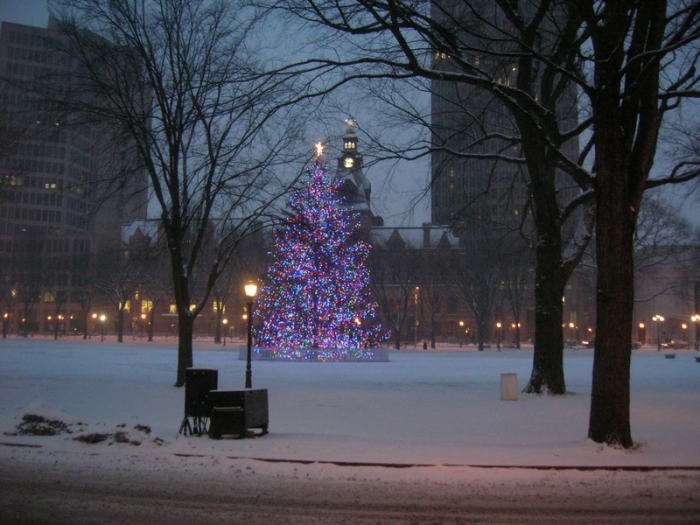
422,407
438,411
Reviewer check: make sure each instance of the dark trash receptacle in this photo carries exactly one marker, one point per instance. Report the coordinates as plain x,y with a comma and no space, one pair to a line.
252,402
227,420
199,382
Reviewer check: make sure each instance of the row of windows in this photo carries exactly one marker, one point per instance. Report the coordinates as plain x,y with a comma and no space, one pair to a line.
30,214
80,158
50,245
76,221
32,54
34,165
23,100
27,149
77,205
57,245
26,38
16,69
19,229
35,199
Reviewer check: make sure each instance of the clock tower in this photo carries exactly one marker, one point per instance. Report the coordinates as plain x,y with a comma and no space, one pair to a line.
355,190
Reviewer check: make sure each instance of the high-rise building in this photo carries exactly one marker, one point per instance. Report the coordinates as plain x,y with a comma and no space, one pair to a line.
58,198
477,170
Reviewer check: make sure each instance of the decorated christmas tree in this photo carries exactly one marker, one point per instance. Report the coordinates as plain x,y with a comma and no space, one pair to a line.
315,302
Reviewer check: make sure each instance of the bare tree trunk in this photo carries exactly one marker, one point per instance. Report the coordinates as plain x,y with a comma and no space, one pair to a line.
120,324
397,339
548,359
184,347
610,397
151,322
626,125
217,328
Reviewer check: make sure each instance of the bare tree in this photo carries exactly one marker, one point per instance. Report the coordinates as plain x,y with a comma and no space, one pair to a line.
478,276
179,82
642,59
27,267
517,278
631,62
122,273
435,286
395,274
517,60
9,293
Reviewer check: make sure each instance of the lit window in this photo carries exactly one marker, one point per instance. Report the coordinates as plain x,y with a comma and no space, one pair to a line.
215,307
172,309
146,306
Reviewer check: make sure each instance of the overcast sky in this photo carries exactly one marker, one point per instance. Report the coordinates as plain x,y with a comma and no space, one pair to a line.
387,197
386,191
29,12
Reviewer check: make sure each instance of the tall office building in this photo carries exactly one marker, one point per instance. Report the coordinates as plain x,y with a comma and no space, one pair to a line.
56,204
474,134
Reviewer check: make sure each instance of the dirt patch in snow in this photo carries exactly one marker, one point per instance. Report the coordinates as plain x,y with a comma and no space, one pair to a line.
38,425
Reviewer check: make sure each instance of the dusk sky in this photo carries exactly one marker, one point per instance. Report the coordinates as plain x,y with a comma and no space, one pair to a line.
384,190
30,12
384,194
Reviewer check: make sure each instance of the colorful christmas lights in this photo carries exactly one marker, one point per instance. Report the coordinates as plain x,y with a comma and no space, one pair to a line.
315,303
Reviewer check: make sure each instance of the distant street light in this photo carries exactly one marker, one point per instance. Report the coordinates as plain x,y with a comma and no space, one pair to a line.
572,333
225,322
415,326
498,336
684,330
696,319
658,319
251,290
103,318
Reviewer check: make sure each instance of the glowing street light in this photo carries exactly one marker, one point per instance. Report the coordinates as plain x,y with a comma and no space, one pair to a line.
251,290
658,319
103,318
696,319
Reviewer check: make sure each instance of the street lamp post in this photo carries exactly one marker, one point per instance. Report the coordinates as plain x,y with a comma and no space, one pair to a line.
251,291
415,327
498,336
696,320
658,319
684,330
225,322
103,318
572,334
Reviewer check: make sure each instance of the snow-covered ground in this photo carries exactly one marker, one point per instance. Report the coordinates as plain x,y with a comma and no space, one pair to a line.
422,407
437,410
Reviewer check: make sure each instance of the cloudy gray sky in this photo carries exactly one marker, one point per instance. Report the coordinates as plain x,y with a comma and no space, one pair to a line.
391,194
